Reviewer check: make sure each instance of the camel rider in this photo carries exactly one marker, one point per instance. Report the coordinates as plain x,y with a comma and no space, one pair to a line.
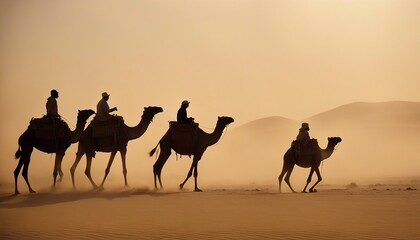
182,113
303,133
52,107
54,118
302,140
102,108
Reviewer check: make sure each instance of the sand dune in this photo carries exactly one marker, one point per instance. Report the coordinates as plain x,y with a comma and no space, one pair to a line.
379,136
370,212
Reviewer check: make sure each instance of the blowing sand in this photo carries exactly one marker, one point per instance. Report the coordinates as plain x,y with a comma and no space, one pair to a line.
370,212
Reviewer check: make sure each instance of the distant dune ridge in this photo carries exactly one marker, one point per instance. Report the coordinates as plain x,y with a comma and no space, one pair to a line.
379,140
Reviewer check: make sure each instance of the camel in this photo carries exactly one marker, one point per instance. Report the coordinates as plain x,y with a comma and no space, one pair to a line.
195,143
310,160
104,144
49,136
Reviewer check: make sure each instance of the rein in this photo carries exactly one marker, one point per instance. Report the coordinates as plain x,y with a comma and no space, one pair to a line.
335,148
67,121
223,135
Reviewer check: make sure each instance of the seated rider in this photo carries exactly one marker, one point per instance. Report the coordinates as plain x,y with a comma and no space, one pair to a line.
52,106
59,127
303,133
102,108
182,114
302,139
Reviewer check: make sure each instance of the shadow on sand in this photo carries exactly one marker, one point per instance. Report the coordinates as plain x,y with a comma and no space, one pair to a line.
42,199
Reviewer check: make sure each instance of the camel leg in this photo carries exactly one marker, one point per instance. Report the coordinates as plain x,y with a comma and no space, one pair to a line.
287,178
124,165
319,180
181,186
23,161
196,189
79,156
87,171
111,160
309,179
16,173
25,174
57,166
158,166
60,171
283,172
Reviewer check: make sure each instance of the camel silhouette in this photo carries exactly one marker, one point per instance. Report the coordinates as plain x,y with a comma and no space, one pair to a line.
124,134
194,143
49,138
309,160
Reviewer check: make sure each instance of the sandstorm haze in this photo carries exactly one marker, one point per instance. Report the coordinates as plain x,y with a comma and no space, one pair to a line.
268,64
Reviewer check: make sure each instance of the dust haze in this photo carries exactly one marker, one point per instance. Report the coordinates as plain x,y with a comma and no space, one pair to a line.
379,145
270,65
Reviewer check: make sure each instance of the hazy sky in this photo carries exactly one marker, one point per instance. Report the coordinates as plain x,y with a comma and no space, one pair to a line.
247,59
244,58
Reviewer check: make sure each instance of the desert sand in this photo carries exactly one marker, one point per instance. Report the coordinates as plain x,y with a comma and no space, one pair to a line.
380,211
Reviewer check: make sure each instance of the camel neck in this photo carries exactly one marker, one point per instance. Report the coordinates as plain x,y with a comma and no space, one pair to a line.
215,136
138,130
328,151
77,132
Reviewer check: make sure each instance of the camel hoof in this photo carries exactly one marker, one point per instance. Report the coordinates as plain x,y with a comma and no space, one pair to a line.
32,191
198,190
312,190
181,186
17,193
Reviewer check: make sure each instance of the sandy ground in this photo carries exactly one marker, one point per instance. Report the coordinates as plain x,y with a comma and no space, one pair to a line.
364,212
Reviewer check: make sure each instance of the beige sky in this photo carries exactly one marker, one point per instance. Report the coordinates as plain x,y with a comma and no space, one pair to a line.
248,58
244,58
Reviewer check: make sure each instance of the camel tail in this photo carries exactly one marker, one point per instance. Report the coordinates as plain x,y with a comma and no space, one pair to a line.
18,153
151,153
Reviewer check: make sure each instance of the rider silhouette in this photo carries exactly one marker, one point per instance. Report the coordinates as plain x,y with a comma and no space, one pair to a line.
182,116
51,105
102,108
303,133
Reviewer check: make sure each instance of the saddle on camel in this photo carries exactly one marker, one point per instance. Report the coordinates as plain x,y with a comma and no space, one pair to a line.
53,132
106,127
184,135
305,147
107,130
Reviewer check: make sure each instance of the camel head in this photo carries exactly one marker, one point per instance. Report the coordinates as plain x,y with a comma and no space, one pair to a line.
224,121
83,115
150,112
334,140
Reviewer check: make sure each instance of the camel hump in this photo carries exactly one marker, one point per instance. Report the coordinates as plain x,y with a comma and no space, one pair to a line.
183,136
106,128
174,124
312,141
183,129
304,147
48,128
